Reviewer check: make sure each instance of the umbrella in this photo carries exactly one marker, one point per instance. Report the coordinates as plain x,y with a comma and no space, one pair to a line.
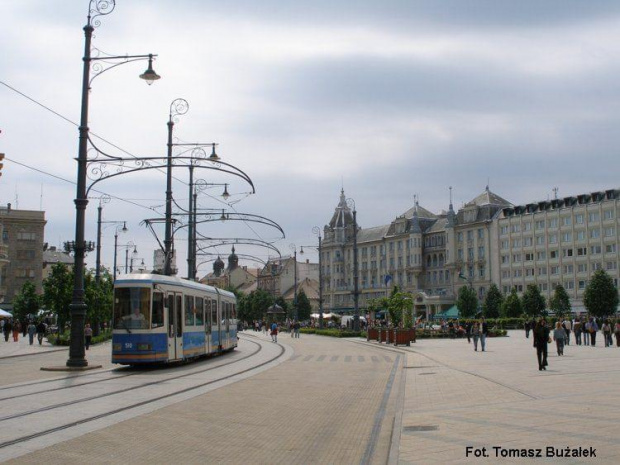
5,314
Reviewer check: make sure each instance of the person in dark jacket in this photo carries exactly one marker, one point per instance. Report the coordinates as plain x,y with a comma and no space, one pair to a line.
541,339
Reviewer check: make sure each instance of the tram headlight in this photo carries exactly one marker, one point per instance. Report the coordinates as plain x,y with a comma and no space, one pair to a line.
144,346
117,347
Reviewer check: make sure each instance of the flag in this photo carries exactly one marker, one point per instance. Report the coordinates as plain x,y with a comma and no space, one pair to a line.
388,278
462,276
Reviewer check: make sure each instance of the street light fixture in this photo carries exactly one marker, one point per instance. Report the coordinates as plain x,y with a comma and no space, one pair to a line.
356,307
118,229
96,8
316,230
295,313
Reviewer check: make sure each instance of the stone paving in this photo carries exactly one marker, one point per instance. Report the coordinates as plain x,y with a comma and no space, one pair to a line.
437,401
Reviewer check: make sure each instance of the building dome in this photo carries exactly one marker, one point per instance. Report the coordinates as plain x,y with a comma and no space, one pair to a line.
233,260
218,266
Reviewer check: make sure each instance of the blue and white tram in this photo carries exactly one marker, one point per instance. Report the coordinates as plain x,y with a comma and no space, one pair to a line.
159,319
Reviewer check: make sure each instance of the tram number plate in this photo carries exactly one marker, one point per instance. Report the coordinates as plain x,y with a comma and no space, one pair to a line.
128,345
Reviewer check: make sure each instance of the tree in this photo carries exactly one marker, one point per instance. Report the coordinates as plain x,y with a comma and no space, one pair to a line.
601,295
511,308
399,306
303,306
492,302
533,302
26,304
560,302
58,292
467,302
257,302
99,298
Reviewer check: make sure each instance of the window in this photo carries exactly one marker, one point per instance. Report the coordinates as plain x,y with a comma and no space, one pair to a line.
567,252
581,235
595,249
610,248
158,310
529,257
567,237
529,272
540,240
542,271
516,243
459,237
505,259
595,233
566,221
515,228
540,224
189,310
527,242
26,236
504,230
610,231
611,265
541,255
581,251
553,238
569,285
132,308
553,254
592,217
527,226
568,269
582,284
200,320
608,214
25,254
596,266
543,286
470,235
504,244
481,252
582,268
481,234
481,272
579,218
516,258
555,270
506,274
553,222
517,273
470,253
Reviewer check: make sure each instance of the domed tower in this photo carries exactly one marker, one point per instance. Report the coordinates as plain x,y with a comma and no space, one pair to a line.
218,266
233,260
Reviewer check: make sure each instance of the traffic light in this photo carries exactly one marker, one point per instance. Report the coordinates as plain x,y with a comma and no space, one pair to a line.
1,164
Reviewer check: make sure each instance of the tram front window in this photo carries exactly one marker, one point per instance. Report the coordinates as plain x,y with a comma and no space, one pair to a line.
131,308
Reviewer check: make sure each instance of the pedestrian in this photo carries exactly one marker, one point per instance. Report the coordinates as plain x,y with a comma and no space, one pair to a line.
41,328
484,331
274,332
32,330
586,332
606,330
8,328
568,326
296,327
559,336
541,339
593,331
468,327
88,336
17,327
475,332
617,333
577,330
527,329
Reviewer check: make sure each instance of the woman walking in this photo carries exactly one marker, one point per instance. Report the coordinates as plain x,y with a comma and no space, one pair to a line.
559,336
541,339
475,332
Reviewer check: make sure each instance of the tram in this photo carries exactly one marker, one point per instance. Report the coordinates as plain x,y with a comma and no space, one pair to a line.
161,319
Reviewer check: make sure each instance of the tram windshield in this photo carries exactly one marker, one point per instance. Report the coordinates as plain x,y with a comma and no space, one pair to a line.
131,308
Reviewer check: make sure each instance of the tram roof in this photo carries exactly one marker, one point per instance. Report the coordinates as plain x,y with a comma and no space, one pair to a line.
134,278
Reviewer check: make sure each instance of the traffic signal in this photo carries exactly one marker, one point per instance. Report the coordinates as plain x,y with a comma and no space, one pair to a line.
1,164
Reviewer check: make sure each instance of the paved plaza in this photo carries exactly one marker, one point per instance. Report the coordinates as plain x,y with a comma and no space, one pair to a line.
341,401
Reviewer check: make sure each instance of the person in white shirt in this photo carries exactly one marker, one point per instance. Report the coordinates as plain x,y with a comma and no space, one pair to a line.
567,324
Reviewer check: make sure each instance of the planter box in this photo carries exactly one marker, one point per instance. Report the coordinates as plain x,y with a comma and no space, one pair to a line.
372,334
404,336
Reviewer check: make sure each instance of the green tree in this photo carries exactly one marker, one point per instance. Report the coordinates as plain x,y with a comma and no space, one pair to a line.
559,302
511,308
259,302
399,306
533,302
27,302
98,298
58,292
467,302
493,302
601,296
303,306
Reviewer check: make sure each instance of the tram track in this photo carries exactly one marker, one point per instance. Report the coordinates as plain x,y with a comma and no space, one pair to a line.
116,378
108,413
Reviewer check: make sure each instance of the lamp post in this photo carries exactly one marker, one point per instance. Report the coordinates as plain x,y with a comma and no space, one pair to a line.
295,313
99,223
128,246
356,318
316,230
96,8
118,228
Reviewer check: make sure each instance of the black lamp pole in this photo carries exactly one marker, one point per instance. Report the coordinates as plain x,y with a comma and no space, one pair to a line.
316,230
78,305
356,318
295,313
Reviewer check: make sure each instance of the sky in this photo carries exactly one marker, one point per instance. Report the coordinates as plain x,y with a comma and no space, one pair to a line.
385,99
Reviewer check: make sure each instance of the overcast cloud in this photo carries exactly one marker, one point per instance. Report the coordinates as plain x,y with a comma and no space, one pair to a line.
387,99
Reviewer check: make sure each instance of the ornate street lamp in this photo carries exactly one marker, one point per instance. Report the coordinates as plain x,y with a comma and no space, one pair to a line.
356,307
316,230
295,313
96,8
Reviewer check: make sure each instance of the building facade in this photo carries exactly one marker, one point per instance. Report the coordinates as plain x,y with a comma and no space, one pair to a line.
21,251
489,240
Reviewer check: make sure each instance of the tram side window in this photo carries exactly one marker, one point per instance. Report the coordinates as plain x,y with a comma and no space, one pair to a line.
208,316
158,310
214,312
189,310
199,311
227,316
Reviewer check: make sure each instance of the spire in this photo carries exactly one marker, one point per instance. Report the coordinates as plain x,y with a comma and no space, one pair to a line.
451,216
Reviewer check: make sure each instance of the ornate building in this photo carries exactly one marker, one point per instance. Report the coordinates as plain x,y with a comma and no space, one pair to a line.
488,240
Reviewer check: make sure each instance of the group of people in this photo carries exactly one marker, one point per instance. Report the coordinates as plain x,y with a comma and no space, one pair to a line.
478,331
15,327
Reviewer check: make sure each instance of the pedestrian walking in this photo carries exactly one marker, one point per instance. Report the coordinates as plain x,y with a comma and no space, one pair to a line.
41,329
475,332
484,331
274,332
88,336
617,333
593,331
468,327
527,329
17,327
567,324
8,328
606,330
577,328
296,327
587,327
559,336
32,330
541,339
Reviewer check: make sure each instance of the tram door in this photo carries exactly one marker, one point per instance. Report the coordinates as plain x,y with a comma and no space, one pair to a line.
175,326
216,335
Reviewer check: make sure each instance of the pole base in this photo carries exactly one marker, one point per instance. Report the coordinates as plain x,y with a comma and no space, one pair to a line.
71,368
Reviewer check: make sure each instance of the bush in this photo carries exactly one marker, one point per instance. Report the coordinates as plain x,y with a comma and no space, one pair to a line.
333,332
64,339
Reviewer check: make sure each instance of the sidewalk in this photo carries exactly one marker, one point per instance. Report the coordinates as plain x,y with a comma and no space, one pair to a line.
23,347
